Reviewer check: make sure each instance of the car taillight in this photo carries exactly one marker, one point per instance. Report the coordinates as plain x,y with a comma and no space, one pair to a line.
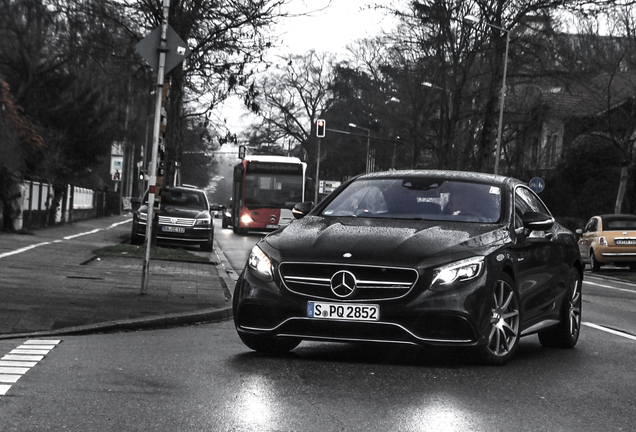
602,241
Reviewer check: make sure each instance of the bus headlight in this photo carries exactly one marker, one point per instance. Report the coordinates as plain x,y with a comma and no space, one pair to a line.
260,264
246,219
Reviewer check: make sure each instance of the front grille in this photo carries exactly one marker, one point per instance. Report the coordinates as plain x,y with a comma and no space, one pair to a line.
186,222
373,282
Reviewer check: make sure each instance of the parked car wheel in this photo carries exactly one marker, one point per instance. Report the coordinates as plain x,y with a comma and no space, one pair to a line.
135,238
594,263
503,338
566,334
209,245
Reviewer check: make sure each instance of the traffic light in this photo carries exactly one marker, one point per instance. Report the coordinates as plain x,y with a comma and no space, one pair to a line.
321,125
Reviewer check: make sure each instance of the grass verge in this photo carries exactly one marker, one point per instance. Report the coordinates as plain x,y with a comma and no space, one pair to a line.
131,251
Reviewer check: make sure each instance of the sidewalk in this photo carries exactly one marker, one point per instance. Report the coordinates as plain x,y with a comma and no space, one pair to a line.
57,286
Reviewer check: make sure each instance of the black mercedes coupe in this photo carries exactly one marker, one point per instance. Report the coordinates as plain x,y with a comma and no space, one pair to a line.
415,257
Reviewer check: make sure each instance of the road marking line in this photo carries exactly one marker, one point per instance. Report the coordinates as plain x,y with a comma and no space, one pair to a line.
24,249
83,234
36,347
609,287
36,358
29,351
13,366
18,363
41,342
9,378
14,370
609,330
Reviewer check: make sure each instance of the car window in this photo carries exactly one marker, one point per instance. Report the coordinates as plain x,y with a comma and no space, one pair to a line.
189,199
619,225
418,198
591,225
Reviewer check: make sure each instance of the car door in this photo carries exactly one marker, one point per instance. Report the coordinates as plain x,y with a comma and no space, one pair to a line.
539,260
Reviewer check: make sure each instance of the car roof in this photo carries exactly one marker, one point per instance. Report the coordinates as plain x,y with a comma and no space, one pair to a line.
446,174
614,217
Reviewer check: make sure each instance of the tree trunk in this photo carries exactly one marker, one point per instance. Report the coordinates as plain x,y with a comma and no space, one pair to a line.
621,187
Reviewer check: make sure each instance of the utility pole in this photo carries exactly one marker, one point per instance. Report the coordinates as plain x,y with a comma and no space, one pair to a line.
152,185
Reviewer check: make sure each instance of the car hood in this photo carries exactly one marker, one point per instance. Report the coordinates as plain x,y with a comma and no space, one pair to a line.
383,241
182,212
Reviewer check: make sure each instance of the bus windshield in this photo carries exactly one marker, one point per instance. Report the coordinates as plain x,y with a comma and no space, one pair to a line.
263,190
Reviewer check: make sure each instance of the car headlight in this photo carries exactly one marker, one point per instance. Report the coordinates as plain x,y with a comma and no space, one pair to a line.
205,221
143,216
228,214
458,271
260,264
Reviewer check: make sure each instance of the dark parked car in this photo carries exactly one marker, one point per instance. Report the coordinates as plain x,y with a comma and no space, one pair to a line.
226,219
415,257
185,218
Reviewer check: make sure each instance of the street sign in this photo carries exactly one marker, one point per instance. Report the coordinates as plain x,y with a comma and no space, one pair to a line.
177,49
537,184
326,186
116,165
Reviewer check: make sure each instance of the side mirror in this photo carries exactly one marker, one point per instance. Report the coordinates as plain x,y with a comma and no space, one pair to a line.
135,200
536,221
301,209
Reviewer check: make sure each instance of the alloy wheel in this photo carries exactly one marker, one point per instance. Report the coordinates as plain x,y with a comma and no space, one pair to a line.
504,319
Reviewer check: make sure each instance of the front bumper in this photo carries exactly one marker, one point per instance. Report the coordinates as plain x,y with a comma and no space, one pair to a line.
191,235
454,317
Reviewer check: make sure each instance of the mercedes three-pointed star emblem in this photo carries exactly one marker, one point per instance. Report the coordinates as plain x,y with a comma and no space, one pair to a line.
343,284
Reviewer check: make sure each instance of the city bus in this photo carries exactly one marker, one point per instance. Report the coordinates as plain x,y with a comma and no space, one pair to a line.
265,189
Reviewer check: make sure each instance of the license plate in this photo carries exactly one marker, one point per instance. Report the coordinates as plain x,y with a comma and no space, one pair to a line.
625,242
271,226
173,229
339,311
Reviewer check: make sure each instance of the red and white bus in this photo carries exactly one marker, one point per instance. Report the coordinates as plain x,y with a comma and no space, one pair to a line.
265,189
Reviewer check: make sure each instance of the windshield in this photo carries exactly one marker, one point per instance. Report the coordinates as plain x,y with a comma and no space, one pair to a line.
418,198
273,190
177,198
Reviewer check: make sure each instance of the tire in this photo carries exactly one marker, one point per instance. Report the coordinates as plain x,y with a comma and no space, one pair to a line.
505,319
566,333
209,245
596,266
135,239
269,344
260,343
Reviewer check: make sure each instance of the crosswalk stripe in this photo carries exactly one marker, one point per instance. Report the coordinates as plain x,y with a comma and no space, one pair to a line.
29,351
28,364
21,359
36,358
9,378
13,370
41,342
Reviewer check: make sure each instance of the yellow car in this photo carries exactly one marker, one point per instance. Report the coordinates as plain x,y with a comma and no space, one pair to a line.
609,239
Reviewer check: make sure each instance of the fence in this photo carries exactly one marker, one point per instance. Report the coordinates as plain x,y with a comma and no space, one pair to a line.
74,203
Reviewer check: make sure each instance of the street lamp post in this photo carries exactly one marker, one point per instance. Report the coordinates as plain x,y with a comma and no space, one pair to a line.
353,125
502,98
